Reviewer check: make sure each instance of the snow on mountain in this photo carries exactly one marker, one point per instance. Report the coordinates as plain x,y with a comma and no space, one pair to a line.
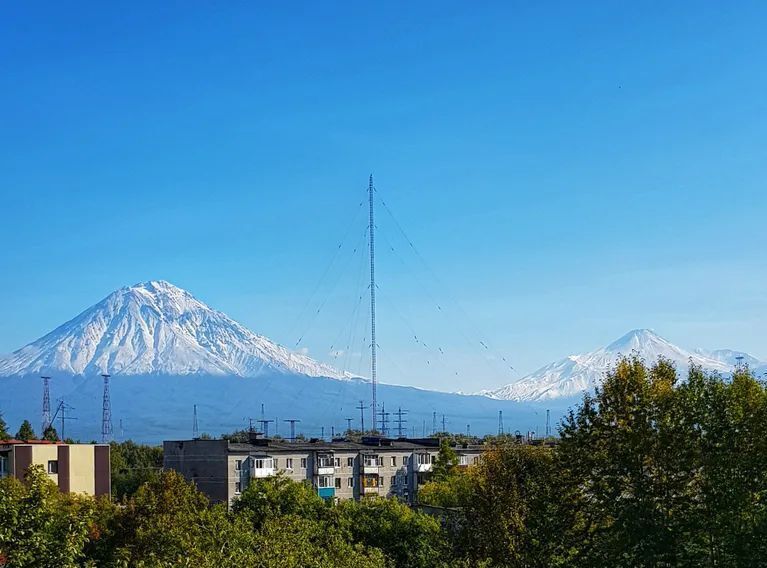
157,328
577,373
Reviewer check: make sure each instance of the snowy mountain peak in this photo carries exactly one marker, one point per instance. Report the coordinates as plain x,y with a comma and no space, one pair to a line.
577,373
152,328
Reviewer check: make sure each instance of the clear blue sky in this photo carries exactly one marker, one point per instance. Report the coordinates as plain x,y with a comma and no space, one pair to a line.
569,170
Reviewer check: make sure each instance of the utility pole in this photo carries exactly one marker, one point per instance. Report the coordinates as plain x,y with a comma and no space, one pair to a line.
372,227
332,432
106,413
292,422
62,409
362,408
46,403
322,432
434,422
468,430
500,422
195,426
400,413
444,428
349,424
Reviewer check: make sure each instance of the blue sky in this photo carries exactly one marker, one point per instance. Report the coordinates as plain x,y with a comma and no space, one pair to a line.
568,171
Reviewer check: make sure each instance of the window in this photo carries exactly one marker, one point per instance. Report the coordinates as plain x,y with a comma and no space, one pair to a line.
53,466
434,459
380,461
370,481
370,461
476,460
325,461
349,462
238,487
338,483
350,482
394,461
288,463
303,463
422,459
263,463
325,481
393,480
463,460
237,465
382,481
337,462
274,462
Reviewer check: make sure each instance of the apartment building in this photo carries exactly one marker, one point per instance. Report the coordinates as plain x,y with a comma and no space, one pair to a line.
75,468
340,469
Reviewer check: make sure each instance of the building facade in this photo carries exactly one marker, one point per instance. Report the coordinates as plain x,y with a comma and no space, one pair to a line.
339,470
75,468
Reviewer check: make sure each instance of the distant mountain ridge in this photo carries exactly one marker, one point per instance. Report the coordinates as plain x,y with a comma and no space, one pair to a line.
573,375
157,328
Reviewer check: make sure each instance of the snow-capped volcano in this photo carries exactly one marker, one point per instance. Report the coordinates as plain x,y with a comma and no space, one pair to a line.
577,373
157,328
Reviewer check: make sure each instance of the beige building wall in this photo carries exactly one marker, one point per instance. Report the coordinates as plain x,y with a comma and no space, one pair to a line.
82,467
44,453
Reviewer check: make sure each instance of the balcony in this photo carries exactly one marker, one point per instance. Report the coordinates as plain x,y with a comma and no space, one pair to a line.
370,469
422,467
262,472
326,470
369,490
326,492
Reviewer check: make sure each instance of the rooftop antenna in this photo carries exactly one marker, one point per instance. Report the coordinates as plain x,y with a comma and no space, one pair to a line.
292,422
106,413
195,426
400,413
374,378
349,424
46,403
265,426
500,422
362,408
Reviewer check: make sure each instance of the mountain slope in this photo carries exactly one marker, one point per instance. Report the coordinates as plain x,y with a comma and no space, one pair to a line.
157,328
571,376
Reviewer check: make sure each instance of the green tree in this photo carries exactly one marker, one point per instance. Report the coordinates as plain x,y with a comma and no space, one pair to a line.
133,465
446,462
405,536
3,428
26,432
278,496
39,526
50,434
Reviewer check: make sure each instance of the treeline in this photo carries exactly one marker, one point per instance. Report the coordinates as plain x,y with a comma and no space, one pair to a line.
651,471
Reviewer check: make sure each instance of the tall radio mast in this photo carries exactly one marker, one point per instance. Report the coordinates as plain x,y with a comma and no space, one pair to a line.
374,407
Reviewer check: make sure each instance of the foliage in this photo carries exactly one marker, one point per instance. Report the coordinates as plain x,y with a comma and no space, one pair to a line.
26,432
50,434
449,493
132,465
278,496
40,526
446,462
405,536
3,429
